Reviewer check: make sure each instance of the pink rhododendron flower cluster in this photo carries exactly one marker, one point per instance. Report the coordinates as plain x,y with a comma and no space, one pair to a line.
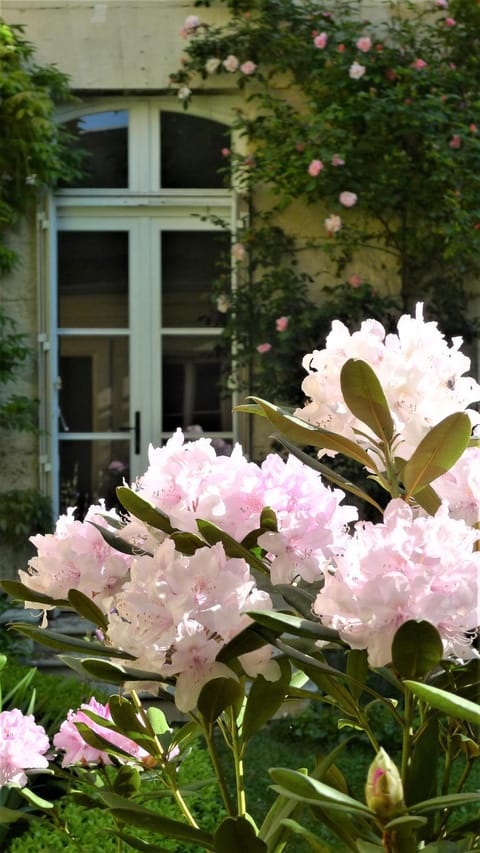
421,374
460,487
231,63
364,44
356,71
23,745
76,556
314,168
263,348
320,40
281,324
78,751
405,568
190,25
348,199
176,612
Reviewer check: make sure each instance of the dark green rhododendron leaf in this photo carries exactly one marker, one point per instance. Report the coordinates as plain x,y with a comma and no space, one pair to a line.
416,649
365,398
143,510
85,607
305,434
237,835
217,695
449,703
437,452
264,700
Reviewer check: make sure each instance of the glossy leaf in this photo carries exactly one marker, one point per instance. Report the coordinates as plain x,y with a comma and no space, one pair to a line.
65,643
305,434
268,519
117,543
112,673
127,781
213,534
357,669
437,452
12,815
406,822
217,695
125,716
143,510
157,720
264,700
133,815
299,598
416,649
421,778
448,703
248,640
87,608
20,592
137,843
449,801
286,622
365,398
314,843
187,543
307,789
428,499
237,835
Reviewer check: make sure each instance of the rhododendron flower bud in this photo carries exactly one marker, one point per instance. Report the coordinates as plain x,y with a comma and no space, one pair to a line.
364,44
263,348
231,63
320,41
23,745
333,223
384,789
348,199
248,67
212,64
356,71
315,168
281,324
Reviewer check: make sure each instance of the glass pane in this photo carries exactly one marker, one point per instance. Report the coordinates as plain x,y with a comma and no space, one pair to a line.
191,152
92,470
103,137
192,372
93,279
190,265
94,394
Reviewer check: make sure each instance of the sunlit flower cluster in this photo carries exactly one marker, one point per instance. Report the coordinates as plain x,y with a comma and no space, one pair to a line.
421,374
405,568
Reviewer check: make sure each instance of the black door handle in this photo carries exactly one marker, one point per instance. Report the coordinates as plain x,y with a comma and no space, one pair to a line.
136,429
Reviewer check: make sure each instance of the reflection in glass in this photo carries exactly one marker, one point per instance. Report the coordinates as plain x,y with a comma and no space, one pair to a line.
191,152
94,395
192,371
93,279
104,139
92,470
190,265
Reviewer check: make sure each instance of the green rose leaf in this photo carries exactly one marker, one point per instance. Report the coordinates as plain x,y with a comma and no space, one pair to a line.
365,398
437,452
416,649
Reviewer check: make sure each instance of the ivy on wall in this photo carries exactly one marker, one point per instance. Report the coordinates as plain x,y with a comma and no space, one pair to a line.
375,127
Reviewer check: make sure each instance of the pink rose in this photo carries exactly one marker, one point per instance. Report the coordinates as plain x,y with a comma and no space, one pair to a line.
190,25
320,41
315,168
456,141
450,22
231,63
238,251
348,199
281,324
473,128
262,348
364,44
225,152
248,68
442,4
333,223
355,280
356,71
419,64
337,161
341,48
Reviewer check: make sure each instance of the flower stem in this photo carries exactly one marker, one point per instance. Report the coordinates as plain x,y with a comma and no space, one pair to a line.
237,749
222,784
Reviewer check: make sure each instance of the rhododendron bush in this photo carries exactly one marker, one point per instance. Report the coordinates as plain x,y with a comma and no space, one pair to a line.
231,588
